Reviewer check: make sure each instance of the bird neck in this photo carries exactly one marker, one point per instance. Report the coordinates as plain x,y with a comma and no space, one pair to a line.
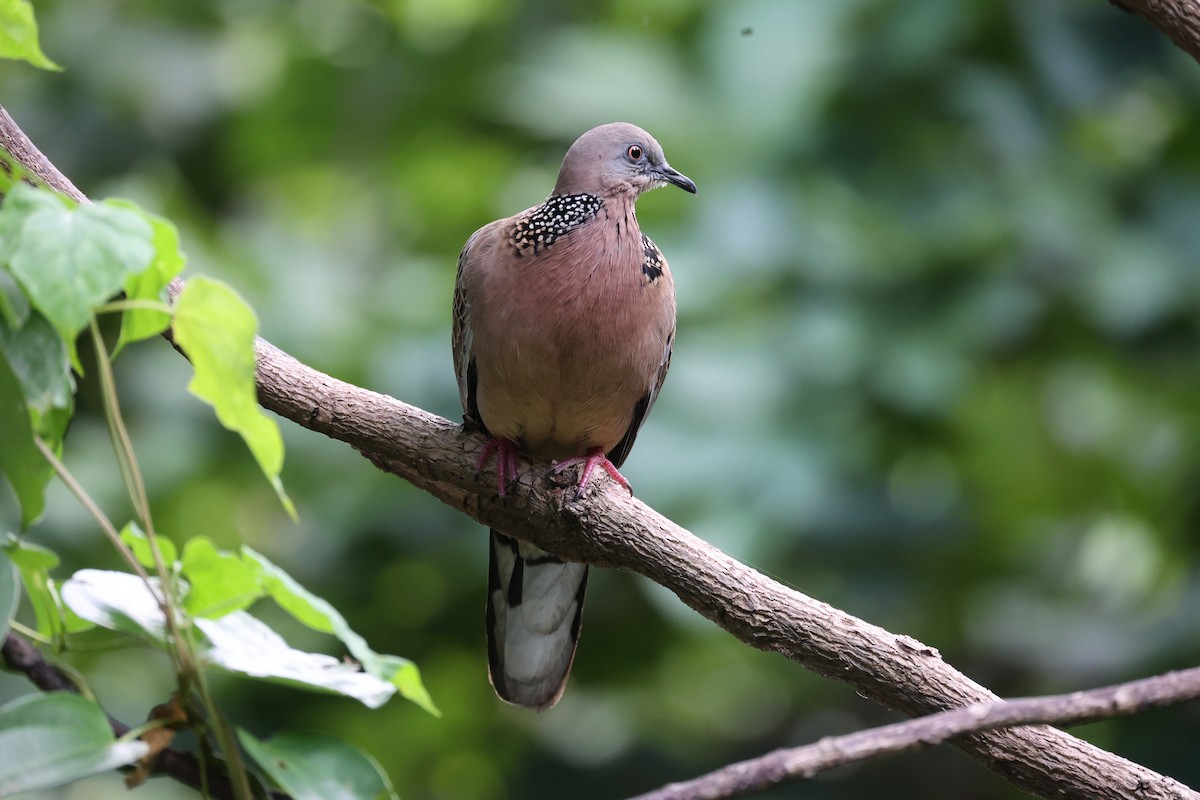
569,184
621,206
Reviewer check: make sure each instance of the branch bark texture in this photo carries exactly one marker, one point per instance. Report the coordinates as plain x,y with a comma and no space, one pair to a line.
789,764
1178,19
611,529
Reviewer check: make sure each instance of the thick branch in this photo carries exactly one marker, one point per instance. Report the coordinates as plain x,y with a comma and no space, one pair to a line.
795,763
1178,19
610,529
19,655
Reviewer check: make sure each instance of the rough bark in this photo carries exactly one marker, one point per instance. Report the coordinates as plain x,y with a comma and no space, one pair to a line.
789,764
610,529
1178,19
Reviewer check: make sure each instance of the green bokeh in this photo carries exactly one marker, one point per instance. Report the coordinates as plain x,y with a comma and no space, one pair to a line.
936,360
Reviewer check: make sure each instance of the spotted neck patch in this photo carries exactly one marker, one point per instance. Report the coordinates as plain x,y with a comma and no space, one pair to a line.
556,217
652,260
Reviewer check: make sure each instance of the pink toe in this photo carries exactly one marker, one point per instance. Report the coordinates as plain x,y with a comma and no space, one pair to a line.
594,457
507,463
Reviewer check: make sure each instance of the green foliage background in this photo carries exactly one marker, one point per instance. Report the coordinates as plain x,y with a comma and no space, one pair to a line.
936,359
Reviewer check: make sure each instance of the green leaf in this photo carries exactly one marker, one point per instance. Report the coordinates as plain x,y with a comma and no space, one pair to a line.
236,642
220,582
318,614
240,643
47,740
21,202
293,598
20,460
34,563
118,601
14,305
11,172
138,323
71,258
406,677
38,357
10,592
19,34
316,766
137,541
216,328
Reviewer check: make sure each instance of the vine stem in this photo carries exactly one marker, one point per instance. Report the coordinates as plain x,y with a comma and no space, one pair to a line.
89,504
183,650
132,476
123,446
113,306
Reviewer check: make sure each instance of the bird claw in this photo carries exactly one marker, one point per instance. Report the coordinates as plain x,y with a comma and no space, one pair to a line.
507,464
595,457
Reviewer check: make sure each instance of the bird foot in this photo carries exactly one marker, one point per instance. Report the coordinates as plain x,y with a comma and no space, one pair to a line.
595,457
505,453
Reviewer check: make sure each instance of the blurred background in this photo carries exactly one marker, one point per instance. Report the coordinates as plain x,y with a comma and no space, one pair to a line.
936,359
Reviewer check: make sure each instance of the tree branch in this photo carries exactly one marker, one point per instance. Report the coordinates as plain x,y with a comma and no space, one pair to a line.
791,764
611,529
1178,19
23,657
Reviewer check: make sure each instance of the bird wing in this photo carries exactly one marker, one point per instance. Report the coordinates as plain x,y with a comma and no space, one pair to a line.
653,265
470,261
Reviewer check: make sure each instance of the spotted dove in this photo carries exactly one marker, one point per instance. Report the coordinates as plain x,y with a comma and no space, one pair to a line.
564,316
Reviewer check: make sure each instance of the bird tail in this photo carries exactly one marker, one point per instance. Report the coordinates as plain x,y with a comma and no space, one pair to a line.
534,606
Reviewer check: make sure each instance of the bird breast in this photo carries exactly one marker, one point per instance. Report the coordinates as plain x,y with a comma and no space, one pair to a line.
572,337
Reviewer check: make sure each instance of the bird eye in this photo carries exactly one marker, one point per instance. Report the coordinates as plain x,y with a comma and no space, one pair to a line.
635,152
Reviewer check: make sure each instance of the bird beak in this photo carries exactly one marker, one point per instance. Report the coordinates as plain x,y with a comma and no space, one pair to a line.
672,176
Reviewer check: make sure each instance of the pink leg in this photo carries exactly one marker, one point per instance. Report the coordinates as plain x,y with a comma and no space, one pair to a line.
594,457
505,453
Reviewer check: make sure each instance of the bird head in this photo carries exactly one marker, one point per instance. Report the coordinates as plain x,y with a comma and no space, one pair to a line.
617,159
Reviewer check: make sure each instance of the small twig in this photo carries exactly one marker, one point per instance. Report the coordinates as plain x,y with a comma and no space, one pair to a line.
181,648
115,306
122,446
797,763
21,656
94,510
132,475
